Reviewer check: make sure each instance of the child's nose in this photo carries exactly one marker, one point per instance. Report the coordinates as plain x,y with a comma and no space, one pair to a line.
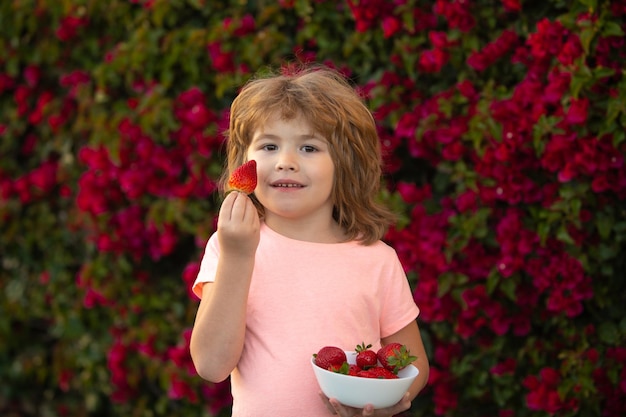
287,162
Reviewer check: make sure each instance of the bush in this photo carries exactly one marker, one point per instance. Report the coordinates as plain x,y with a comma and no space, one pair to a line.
503,125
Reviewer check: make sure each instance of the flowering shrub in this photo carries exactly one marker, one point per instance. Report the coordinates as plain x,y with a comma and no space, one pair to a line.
504,130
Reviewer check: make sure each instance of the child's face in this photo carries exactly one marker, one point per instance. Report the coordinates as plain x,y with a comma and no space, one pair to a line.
295,171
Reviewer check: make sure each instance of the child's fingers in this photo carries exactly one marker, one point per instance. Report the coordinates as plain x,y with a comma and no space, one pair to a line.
240,205
236,207
227,206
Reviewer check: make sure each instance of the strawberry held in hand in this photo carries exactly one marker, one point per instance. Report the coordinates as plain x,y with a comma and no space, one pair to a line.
243,179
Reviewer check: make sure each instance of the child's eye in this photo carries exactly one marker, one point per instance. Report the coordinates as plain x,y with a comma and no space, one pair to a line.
309,148
269,147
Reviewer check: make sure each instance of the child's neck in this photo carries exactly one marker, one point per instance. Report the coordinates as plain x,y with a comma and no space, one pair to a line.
307,230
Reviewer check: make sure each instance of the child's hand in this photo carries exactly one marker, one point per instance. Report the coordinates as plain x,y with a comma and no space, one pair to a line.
238,226
337,408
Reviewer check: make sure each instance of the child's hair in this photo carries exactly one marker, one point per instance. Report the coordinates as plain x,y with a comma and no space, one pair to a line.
332,106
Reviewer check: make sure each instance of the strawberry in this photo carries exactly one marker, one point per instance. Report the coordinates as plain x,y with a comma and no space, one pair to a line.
365,358
377,372
382,373
344,368
243,179
366,374
330,356
394,357
353,370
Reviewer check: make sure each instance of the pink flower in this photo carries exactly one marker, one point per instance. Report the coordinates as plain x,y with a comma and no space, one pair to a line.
32,75
508,366
577,113
116,363
572,50
221,61
94,298
548,40
198,116
367,13
466,201
493,51
69,26
446,353
512,5
189,276
431,61
467,90
457,13
558,85
445,394
44,177
181,390
6,82
568,172
245,25
543,395
391,25
190,108
411,193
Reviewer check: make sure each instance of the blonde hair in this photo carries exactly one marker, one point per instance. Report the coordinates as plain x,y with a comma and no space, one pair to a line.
334,110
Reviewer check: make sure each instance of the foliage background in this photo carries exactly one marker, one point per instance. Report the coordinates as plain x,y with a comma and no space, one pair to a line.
503,124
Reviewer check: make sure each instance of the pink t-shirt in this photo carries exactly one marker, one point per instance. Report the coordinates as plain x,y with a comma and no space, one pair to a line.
304,296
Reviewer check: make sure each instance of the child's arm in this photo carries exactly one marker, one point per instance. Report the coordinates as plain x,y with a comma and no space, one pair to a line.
219,330
410,337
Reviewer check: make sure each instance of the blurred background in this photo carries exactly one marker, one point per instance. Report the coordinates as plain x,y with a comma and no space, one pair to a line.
503,128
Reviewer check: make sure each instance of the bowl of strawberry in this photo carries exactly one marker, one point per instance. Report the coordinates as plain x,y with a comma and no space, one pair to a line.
365,376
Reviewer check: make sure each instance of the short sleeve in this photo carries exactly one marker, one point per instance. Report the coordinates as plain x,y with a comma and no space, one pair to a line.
208,266
398,305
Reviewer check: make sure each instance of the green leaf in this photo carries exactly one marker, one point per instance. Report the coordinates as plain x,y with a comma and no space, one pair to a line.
611,28
508,287
586,37
604,224
609,333
493,279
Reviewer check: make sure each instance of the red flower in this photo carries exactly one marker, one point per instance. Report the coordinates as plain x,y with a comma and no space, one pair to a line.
543,395
512,5
391,25
548,40
466,201
189,277
467,90
69,26
116,358
244,26
45,176
506,367
180,389
445,394
558,85
65,379
431,61
457,13
221,61
6,82
493,51
94,298
571,50
32,75
577,113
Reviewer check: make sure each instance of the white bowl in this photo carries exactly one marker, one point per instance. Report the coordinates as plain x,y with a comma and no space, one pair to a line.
357,392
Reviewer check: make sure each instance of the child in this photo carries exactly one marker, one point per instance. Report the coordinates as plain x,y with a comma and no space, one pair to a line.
299,264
